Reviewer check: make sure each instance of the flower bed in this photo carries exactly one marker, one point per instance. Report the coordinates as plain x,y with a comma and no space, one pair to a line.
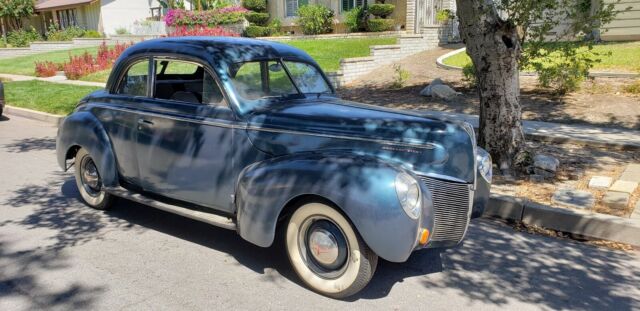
184,31
210,18
84,64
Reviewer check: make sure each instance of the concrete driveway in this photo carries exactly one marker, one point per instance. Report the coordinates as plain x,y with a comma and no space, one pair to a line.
57,254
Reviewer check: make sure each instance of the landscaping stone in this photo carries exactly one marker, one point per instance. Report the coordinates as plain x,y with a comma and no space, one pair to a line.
600,182
616,200
546,162
535,178
624,186
443,92
631,173
427,90
574,198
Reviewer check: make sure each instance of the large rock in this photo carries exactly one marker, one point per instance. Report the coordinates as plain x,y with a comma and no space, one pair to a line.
427,90
546,162
443,92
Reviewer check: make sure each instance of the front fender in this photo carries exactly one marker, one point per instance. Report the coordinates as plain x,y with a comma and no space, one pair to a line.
363,187
82,129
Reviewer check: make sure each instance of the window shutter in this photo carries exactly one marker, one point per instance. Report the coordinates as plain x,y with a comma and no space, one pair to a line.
345,5
359,2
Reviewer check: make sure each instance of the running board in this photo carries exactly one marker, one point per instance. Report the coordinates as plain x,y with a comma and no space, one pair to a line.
210,218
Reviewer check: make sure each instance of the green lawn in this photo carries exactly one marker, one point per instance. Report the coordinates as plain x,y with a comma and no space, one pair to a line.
625,56
25,65
326,52
45,96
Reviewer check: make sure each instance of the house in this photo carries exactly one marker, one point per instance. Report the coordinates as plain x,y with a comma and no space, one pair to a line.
105,16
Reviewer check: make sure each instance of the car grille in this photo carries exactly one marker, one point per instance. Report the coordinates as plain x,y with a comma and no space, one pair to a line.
451,204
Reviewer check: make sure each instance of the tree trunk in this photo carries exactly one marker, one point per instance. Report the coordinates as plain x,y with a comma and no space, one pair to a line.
494,49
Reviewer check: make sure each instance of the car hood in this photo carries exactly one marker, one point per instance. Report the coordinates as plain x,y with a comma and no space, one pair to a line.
426,146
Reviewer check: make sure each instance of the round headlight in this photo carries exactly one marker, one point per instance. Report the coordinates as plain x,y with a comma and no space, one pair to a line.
485,164
408,192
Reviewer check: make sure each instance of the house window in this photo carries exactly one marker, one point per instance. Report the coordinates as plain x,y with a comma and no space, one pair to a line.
67,18
291,7
348,5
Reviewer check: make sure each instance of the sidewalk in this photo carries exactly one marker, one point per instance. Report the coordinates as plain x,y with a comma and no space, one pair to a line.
56,79
555,132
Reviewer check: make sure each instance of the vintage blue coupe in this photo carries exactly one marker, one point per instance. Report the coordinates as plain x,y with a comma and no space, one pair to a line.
250,136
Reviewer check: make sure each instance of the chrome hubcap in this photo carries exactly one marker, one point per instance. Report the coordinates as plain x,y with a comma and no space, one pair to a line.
90,177
323,246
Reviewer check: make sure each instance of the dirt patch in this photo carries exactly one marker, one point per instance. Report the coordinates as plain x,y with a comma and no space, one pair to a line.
600,102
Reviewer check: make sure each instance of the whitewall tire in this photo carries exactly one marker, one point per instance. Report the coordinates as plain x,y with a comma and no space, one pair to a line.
327,253
89,182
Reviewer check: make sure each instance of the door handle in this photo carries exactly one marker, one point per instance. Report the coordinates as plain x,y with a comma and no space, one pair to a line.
144,122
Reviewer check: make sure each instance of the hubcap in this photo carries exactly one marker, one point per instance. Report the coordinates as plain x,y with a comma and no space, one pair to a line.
90,177
323,246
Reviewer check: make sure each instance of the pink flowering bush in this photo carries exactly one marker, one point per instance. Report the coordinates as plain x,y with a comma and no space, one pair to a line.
82,65
184,31
223,16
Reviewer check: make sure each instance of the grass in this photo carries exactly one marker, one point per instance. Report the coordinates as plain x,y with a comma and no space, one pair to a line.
327,53
24,65
45,96
616,56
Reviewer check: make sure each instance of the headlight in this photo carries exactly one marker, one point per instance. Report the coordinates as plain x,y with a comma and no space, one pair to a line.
485,166
409,195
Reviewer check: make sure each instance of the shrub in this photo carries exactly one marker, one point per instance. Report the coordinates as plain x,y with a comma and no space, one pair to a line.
633,88
355,19
201,31
82,65
315,19
445,15
259,19
469,73
223,16
254,31
122,31
255,5
92,34
56,34
381,10
22,37
46,69
563,70
400,77
379,24
276,26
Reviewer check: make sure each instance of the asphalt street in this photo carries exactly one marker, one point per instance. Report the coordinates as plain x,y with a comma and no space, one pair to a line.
57,254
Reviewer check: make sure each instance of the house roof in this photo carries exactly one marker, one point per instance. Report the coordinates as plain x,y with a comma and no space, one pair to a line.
45,5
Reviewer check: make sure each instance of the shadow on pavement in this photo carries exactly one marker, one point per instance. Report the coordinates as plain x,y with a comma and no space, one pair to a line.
31,144
494,265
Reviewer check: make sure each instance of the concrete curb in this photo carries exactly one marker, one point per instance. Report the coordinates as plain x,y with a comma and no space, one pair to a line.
587,224
596,74
35,115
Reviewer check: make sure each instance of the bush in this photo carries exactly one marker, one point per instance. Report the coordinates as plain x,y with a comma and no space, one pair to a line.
315,19
259,19
400,78
355,19
381,10
82,65
122,31
255,5
46,69
469,72
200,31
276,26
56,34
445,15
211,18
254,31
22,37
92,34
563,70
379,24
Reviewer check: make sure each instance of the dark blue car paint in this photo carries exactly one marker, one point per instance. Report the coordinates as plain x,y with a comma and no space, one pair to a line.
252,163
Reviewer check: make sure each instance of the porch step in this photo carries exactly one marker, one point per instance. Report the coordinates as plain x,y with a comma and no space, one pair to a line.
210,218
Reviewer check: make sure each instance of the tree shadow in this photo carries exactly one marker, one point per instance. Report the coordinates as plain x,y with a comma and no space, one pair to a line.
31,144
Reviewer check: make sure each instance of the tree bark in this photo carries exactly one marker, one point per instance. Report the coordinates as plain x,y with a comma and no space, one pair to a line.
493,45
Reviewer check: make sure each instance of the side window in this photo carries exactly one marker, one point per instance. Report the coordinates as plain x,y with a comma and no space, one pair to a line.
134,83
255,80
186,82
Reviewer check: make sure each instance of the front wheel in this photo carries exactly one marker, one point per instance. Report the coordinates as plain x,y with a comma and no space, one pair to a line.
327,253
89,182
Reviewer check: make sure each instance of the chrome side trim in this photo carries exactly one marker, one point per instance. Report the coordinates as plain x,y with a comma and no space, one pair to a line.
236,125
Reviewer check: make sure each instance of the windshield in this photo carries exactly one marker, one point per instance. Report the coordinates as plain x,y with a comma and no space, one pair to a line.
262,80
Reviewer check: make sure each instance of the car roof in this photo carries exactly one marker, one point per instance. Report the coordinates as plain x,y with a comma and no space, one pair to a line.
229,49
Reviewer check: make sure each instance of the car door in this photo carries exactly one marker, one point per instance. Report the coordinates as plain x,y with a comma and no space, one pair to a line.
185,137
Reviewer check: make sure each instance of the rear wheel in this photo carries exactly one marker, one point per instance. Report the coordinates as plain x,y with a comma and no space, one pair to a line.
327,253
89,182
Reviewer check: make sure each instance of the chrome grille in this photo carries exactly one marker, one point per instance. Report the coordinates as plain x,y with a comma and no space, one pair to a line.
451,204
